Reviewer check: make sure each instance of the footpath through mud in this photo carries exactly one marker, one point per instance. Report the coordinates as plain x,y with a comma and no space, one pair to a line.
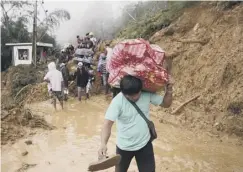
74,144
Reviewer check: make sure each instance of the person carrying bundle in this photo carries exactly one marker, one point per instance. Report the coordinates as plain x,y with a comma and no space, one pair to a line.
139,70
135,132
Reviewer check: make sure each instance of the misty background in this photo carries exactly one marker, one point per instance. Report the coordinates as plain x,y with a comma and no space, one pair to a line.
100,17
59,22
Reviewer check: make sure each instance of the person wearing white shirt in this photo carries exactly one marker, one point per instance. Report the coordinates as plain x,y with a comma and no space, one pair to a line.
92,38
55,80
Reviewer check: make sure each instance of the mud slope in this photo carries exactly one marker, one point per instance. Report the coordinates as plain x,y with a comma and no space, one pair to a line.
209,47
21,85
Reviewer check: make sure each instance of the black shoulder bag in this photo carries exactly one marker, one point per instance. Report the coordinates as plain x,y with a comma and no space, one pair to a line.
150,124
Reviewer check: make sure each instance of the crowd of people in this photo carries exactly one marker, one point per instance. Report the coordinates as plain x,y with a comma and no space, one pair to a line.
84,75
129,107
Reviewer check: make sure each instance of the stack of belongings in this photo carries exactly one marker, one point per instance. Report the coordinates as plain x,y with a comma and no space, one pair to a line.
138,58
68,48
67,45
84,55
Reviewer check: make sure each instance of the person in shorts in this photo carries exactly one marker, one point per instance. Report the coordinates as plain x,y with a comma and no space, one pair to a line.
54,77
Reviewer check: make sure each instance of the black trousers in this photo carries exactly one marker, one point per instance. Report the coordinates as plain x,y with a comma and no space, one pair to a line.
144,158
107,87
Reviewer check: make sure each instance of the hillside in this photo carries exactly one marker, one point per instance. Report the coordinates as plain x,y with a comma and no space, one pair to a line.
205,41
208,44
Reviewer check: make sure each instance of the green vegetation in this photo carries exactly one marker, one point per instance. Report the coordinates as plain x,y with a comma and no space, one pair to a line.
16,17
151,17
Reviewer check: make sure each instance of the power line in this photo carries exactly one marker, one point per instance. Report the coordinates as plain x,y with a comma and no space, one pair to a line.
45,11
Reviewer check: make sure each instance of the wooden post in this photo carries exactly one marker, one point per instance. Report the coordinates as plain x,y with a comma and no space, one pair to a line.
34,36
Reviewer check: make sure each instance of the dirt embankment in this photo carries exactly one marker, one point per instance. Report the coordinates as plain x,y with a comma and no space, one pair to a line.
21,85
207,46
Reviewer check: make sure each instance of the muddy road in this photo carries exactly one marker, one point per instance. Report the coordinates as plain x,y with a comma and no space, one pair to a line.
74,144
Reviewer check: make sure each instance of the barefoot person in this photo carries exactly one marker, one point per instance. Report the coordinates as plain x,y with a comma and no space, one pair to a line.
133,134
54,77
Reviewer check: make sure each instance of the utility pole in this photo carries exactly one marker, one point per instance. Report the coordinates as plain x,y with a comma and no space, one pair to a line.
128,13
34,36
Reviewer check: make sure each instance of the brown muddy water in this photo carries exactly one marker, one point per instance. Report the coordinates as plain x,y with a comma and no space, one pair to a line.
74,144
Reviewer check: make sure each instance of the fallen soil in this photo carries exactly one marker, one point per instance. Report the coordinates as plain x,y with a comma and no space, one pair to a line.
77,138
17,123
207,49
21,85
206,44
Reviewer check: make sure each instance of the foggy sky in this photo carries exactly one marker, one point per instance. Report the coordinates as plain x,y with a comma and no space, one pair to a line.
84,14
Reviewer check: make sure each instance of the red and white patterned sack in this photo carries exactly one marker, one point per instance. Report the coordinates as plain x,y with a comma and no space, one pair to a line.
138,58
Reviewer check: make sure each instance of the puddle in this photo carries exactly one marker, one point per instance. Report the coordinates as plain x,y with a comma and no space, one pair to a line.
75,142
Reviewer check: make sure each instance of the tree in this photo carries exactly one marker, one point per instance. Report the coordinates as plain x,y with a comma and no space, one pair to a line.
54,19
14,26
18,32
11,13
10,10
51,22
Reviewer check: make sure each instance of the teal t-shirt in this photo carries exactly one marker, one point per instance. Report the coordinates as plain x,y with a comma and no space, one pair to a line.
132,131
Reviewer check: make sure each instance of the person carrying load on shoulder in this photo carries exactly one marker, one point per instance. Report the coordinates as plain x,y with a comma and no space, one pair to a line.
88,43
130,108
78,40
135,132
93,39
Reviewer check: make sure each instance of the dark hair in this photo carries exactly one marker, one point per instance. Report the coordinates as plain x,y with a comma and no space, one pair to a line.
130,85
81,70
107,45
77,36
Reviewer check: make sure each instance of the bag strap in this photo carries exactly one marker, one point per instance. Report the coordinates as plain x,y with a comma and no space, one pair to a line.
140,112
